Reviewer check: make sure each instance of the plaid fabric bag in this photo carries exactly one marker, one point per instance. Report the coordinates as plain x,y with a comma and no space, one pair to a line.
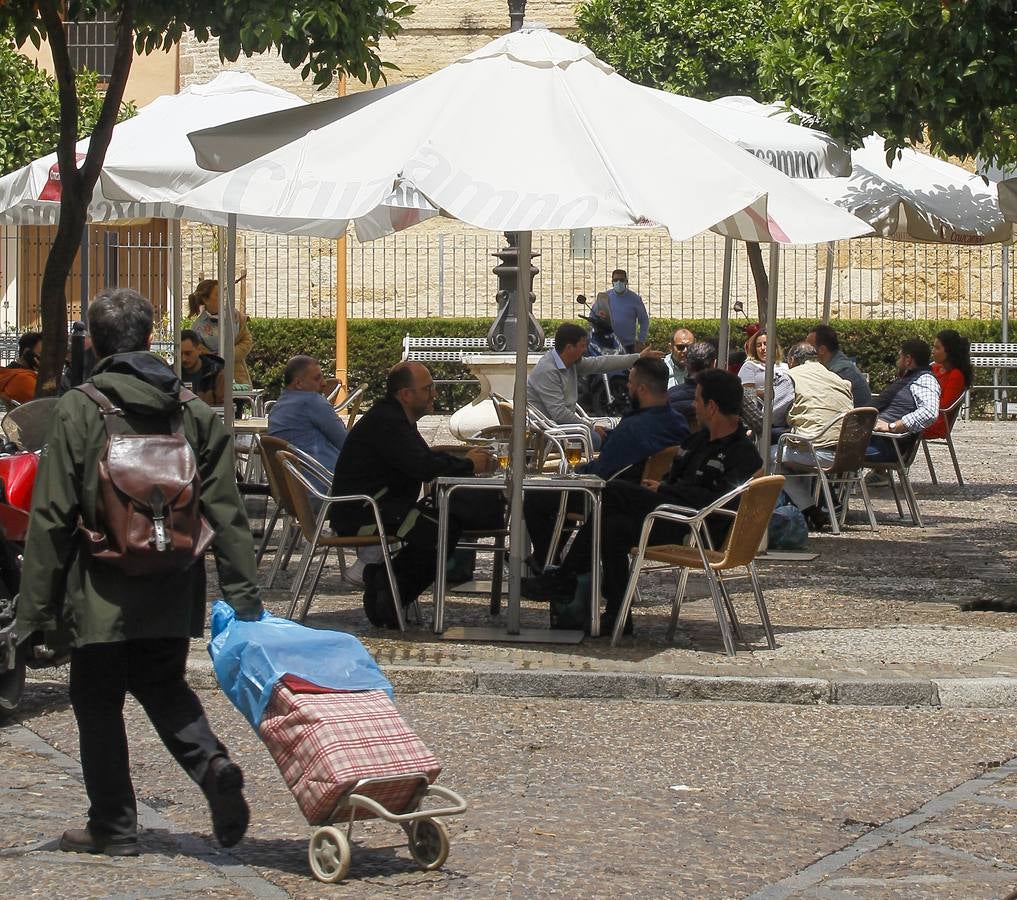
325,741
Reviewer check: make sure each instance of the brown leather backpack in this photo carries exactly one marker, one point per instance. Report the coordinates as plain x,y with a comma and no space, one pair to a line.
148,502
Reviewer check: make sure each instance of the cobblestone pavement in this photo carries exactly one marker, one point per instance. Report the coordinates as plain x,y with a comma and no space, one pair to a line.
572,798
906,602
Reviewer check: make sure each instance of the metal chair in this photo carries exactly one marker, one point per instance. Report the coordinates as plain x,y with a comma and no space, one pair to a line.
899,467
299,477
28,424
844,472
757,500
351,405
284,509
658,465
950,415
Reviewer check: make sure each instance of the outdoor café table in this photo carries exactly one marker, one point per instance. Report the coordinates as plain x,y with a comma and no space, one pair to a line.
250,427
254,396
445,486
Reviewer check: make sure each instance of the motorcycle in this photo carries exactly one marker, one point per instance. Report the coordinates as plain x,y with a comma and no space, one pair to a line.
605,393
17,478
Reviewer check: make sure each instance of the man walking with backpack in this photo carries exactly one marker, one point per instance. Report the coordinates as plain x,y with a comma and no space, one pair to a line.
136,479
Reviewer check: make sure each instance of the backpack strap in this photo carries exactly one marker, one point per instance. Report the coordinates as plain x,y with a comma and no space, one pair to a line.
112,416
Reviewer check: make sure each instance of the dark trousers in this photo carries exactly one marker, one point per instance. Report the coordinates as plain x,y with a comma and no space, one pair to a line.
625,506
152,671
540,508
469,510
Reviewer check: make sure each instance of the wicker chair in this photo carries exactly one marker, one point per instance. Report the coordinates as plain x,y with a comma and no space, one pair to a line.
950,415
758,497
844,472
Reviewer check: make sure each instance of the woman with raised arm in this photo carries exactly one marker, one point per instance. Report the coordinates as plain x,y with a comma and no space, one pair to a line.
204,307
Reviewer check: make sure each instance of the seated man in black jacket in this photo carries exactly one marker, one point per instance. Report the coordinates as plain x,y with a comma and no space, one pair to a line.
712,462
385,457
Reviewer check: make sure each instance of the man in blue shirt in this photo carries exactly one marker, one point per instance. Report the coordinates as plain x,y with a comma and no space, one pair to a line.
650,427
624,309
303,417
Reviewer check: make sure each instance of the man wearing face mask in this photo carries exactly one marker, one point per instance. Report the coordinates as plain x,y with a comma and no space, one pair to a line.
18,380
625,311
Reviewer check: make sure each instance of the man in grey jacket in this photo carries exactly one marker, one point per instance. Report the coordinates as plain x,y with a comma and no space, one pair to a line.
824,339
553,385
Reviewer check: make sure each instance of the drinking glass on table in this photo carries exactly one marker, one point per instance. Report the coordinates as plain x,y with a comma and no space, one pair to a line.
573,456
503,456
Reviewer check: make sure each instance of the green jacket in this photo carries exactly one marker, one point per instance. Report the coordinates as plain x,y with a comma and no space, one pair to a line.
98,603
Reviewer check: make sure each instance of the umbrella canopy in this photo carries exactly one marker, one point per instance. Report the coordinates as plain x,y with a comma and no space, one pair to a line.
918,198
149,154
443,136
795,150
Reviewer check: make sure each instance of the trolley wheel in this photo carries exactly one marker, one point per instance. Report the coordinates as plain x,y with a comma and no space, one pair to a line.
429,843
328,852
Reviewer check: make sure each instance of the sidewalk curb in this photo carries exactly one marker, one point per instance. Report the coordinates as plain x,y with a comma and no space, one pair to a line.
949,693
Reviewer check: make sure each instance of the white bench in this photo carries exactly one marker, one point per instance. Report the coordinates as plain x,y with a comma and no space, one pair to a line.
446,349
999,357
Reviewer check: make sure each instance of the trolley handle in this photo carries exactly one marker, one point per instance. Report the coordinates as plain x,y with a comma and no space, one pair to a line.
458,805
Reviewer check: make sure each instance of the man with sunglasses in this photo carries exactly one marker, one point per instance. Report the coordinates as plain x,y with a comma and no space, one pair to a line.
675,360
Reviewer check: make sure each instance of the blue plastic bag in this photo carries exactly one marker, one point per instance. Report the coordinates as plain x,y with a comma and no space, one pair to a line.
250,657
788,529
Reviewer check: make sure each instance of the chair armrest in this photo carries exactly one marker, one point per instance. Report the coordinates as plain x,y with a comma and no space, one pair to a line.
316,467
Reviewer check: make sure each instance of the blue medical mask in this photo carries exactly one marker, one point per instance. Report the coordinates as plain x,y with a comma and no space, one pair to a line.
619,286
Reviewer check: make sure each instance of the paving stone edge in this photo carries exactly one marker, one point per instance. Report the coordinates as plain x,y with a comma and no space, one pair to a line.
961,692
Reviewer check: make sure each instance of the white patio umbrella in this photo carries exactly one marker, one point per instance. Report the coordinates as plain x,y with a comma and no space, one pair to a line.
148,152
797,151
918,198
566,165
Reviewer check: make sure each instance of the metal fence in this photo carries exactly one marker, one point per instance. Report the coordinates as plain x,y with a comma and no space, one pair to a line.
449,273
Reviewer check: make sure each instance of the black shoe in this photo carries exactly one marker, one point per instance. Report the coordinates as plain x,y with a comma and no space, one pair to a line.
223,785
81,840
384,604
816,518
607,621
552,585
371,573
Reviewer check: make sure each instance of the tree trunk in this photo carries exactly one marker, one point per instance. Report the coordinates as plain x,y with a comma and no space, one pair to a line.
759,277
76,185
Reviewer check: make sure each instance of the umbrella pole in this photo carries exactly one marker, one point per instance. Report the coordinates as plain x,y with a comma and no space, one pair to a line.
176,290
1005,306
724,338
227,290
828,287
517,525
771,347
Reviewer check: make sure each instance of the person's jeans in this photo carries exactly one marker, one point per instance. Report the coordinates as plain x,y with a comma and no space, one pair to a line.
152,671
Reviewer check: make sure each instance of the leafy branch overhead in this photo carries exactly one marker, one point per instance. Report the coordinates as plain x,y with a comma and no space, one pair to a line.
703,49
30,126
912,70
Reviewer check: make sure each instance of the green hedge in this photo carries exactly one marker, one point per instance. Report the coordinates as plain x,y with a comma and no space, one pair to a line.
376,344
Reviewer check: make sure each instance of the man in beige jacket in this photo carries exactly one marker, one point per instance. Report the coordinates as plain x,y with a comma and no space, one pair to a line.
820,396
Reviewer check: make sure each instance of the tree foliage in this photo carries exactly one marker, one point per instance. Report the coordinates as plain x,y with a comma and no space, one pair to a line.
703,49
30,126
320,37
911,70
